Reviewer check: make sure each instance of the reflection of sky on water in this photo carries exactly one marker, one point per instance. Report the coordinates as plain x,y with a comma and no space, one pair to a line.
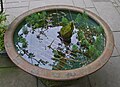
40,47
39,39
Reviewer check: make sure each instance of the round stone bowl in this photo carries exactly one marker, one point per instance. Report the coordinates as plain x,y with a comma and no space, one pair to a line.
58,75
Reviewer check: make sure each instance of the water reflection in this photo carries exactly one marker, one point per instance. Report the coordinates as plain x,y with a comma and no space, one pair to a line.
40,41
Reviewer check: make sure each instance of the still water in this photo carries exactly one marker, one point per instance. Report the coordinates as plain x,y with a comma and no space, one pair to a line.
38,40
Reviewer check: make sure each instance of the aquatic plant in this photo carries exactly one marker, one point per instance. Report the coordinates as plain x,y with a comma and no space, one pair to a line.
67,54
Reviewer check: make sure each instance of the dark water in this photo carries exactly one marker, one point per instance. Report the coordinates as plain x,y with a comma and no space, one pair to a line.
37,39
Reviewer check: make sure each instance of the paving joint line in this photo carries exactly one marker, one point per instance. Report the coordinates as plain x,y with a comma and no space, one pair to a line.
36,81
95,8
84,3
117,9
116,56
16,7
11,2
14,2
73,3
29,5
115,31
116,6
89,81
89,7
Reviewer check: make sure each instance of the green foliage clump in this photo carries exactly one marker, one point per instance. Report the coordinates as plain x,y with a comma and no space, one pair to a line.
37,20
64,21
90,45
3,27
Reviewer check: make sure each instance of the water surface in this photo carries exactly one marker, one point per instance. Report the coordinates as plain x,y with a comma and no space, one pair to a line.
37,39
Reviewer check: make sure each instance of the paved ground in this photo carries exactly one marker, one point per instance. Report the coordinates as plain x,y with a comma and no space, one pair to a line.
108,76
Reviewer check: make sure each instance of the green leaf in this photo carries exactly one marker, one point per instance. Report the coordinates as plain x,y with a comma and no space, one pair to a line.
44,14
78,18
84,19
99,29
99,42
23,41
3,17
75,48
55,52
91,48
37,20
3,27
85,42
80,35
91,51
85,16
24,45
64,21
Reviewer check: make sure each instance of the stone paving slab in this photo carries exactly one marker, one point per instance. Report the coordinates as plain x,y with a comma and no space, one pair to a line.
117,43
115,4
115,52
101,0
15,5
15,12
79,3
118,2
6,62
14,77
113,1
108,12
12,1
93,10
82,82
40,84
118,8
108,76
88,3
35,4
